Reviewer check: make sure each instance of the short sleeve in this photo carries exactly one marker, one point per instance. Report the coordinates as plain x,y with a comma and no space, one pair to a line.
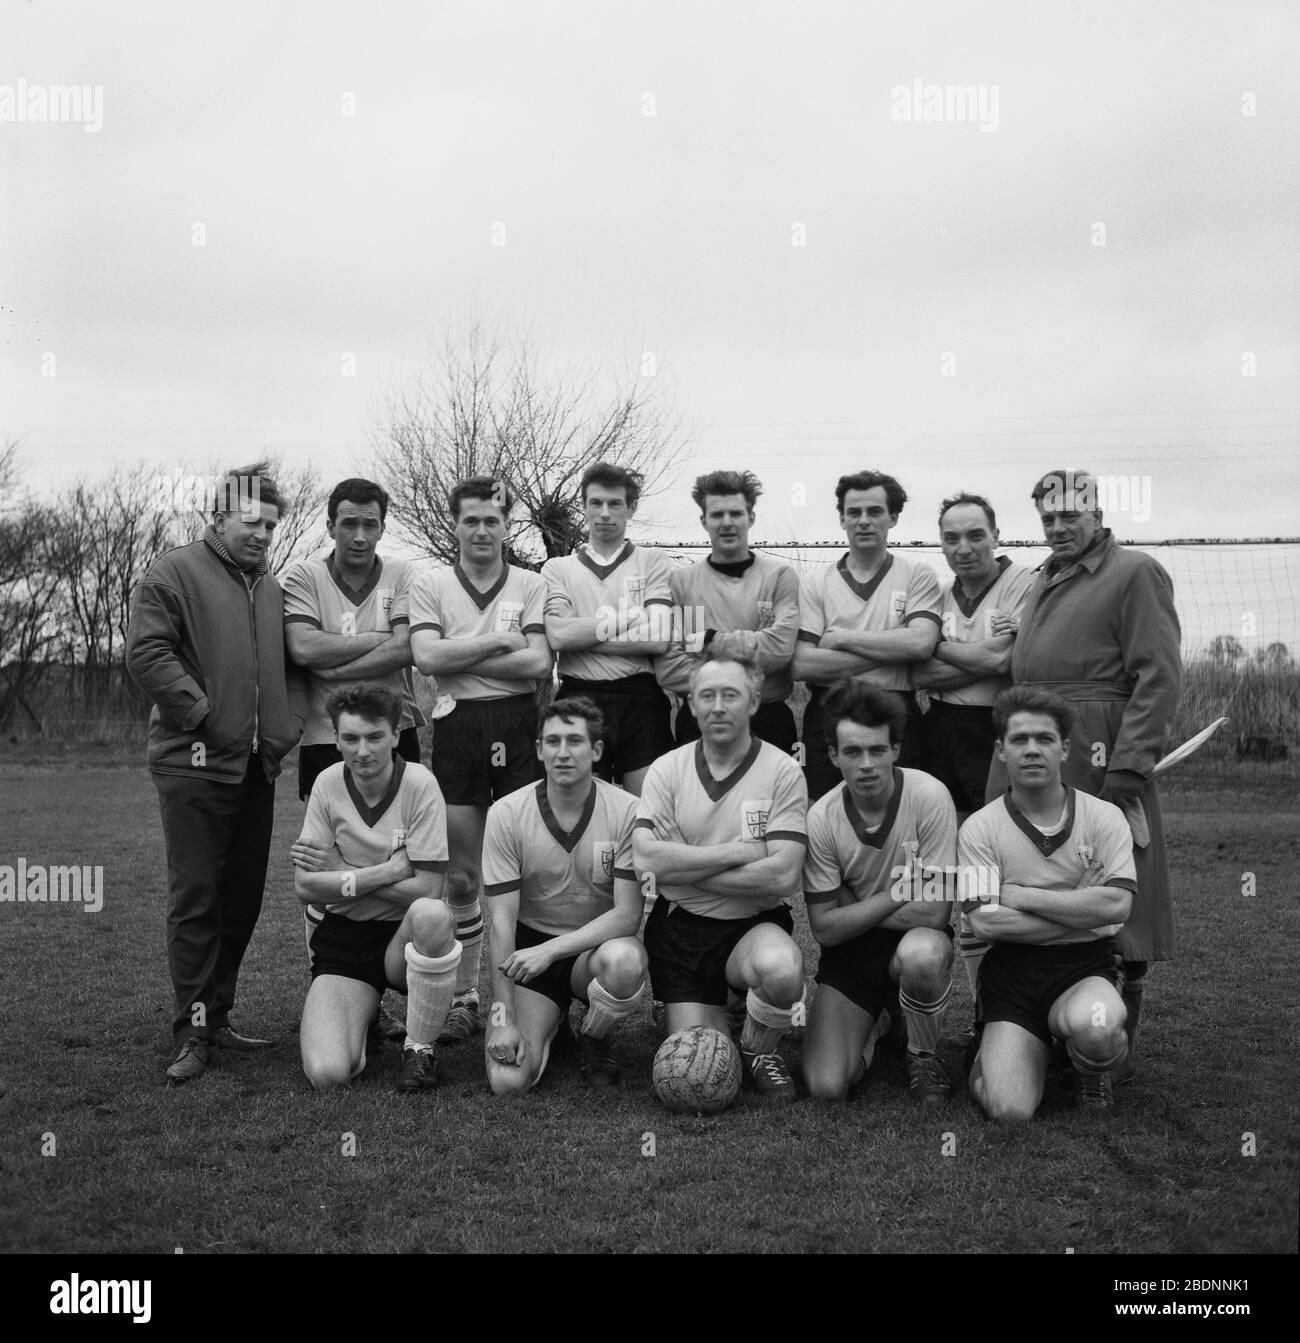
812,613
1115,848
788,818
502,872
559,601
425,604
658,576
924,595
624,866
317,824
979,865
426,830
655,810
822,875
400,611
300,602
936,827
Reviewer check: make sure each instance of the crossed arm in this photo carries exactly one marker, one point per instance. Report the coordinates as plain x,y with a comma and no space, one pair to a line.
510,654
848,652
321,878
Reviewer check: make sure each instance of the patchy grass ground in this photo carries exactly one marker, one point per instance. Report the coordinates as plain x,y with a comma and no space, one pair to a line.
249,1159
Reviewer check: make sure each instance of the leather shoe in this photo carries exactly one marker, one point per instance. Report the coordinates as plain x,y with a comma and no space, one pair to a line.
227,1037
190,1063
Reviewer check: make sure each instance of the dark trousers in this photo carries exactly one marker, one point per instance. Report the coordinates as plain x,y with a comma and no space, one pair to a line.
218,838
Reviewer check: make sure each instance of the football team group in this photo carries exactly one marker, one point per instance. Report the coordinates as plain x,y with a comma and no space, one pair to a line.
658,813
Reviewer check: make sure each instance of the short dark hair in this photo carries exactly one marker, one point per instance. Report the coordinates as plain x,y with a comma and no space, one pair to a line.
895,494
480,487
243,486
727,482
357,491
865,704
612,477
370,701
569,708
963,498
1032,699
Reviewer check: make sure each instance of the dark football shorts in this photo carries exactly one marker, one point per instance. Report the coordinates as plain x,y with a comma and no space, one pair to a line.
637,730
959,742
773,723
859,968
818,771
557,983
1019,983
470,741
688,952
315,760
354,948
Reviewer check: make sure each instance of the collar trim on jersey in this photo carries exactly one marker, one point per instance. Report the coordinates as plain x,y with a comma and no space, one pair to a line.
481,599
372,815
603,571
969,605
875,839
732,568
717,789
1047,845
355,595
864,591
566,839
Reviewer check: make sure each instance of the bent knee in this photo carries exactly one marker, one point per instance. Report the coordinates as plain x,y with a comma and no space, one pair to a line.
1008,1109
508,1081
327,1075
826,1086
622,965
433,926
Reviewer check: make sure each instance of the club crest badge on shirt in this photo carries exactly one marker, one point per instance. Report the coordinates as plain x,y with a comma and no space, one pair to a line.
766,615
756,811
509,617
898,603
602,862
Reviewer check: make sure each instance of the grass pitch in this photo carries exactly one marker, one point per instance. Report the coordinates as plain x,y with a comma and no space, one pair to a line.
95,1154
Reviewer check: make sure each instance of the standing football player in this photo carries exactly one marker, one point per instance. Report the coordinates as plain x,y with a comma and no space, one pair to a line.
720,830
608,614
869,616
1061,871
564,907
478,627
372,857
881,850
735,602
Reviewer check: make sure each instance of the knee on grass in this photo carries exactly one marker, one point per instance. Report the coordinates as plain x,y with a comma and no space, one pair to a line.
507,1080
1004,1109
327,1074
825,1084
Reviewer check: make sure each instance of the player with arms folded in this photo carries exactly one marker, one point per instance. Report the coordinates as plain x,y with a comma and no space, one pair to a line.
372,856
1063,871
478,627
721,831
884,831
564,906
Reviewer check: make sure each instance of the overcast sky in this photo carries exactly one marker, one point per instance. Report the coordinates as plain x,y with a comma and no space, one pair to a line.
949,316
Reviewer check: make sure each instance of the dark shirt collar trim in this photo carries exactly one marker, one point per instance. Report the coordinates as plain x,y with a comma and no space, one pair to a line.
355,595
732,568
864,590
603,571
875,839
717,789
481,599
1047,845
968,606
566,839
372,815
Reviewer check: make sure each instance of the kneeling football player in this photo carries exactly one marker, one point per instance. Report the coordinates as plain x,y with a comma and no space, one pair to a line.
878,845
721,829
372,854
1062,880
564,906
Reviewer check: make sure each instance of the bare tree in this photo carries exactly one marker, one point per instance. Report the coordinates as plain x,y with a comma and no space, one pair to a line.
483,407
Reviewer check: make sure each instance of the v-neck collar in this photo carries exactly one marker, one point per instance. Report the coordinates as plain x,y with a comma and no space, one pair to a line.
1047,845
603,571
865,590
481,599
717,789
969,605
875,839
566,839
371,815
355,595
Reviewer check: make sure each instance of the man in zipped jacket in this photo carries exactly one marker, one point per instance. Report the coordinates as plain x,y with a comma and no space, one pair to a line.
206,644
